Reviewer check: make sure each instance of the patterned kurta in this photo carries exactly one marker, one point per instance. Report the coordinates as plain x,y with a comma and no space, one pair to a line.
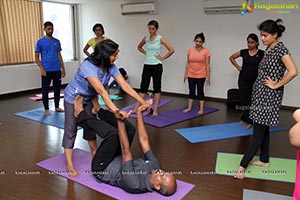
266,102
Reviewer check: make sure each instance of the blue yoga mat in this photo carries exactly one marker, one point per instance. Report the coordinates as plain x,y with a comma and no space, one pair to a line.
218,132
56,119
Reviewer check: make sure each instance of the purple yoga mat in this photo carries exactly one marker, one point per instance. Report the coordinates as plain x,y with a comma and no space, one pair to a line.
161,103
82,160
174,116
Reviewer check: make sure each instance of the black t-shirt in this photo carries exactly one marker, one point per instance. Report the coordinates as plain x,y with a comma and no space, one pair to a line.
250,65
134,175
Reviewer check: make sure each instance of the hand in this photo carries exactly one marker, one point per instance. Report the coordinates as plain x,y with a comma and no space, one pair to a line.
63,73
184,78
207,81
270,83
159,57
122,115
43,73
145,106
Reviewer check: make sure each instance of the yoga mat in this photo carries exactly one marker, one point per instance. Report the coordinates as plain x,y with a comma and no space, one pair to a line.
82,162
113,97
218,132
56,119
280,169
161,103
174,116
252,194
38,97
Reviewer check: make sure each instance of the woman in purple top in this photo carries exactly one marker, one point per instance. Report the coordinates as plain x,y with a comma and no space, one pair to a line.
89,81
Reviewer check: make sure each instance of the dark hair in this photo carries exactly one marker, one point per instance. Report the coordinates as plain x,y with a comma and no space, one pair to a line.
47,23
201,36
254,37
100,26
102,52
272,27
154,23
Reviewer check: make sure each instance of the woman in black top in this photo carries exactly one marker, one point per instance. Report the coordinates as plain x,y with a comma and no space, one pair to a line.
248,73
276,69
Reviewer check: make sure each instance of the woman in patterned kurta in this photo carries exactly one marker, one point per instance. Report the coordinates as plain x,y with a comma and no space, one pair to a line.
268,92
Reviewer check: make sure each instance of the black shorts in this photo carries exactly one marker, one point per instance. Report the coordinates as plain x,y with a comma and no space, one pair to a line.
154,71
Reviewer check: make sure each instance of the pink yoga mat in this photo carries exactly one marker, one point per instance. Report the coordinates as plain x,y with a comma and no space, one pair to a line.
296,195
82,160
38,97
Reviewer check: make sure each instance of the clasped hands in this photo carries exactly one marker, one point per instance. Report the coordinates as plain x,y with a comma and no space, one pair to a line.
122,115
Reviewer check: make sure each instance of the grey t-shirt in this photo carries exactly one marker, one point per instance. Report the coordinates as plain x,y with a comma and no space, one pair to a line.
133,176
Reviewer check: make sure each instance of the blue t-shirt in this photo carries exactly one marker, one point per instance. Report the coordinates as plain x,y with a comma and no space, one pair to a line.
49,49
80,85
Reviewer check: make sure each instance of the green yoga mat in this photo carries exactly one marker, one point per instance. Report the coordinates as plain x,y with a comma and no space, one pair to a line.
280,169
113,97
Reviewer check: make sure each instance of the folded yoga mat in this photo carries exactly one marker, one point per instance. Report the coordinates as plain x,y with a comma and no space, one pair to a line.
112,97
217,132
280,169
161,103
174,116
252,194
82,161
38,97
56,119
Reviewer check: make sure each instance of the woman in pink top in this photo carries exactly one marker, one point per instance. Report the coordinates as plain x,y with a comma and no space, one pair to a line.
295,141
197,71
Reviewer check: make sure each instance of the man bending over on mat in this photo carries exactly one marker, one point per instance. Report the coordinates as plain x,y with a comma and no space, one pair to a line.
113,163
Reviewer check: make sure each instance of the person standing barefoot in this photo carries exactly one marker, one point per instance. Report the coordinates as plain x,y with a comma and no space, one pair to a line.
197,71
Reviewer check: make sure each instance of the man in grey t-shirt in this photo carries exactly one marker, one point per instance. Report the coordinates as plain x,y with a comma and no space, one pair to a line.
113,163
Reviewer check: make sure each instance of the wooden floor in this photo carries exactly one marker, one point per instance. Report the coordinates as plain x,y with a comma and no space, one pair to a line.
23,143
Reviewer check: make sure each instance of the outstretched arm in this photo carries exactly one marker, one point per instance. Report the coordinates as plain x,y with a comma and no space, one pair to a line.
142,132
124,143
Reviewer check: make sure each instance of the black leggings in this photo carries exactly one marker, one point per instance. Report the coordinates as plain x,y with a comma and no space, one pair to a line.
46,81
107,128
260,139
199,83
245,92
154,71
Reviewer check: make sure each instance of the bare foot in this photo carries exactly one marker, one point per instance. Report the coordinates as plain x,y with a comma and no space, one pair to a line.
240,174
155,113
200,112
59,109
47,112
96,105
242,123
247,126
78,106
186,110
259,163
72,172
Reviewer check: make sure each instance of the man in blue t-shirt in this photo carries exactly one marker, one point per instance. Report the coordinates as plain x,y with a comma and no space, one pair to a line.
113,163
50,62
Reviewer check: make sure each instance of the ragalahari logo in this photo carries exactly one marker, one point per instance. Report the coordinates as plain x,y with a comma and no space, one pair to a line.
247,7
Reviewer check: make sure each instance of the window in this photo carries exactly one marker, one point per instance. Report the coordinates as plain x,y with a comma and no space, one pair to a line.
61,15
21,25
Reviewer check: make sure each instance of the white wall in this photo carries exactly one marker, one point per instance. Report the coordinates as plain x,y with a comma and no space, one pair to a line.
15,78
179,22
